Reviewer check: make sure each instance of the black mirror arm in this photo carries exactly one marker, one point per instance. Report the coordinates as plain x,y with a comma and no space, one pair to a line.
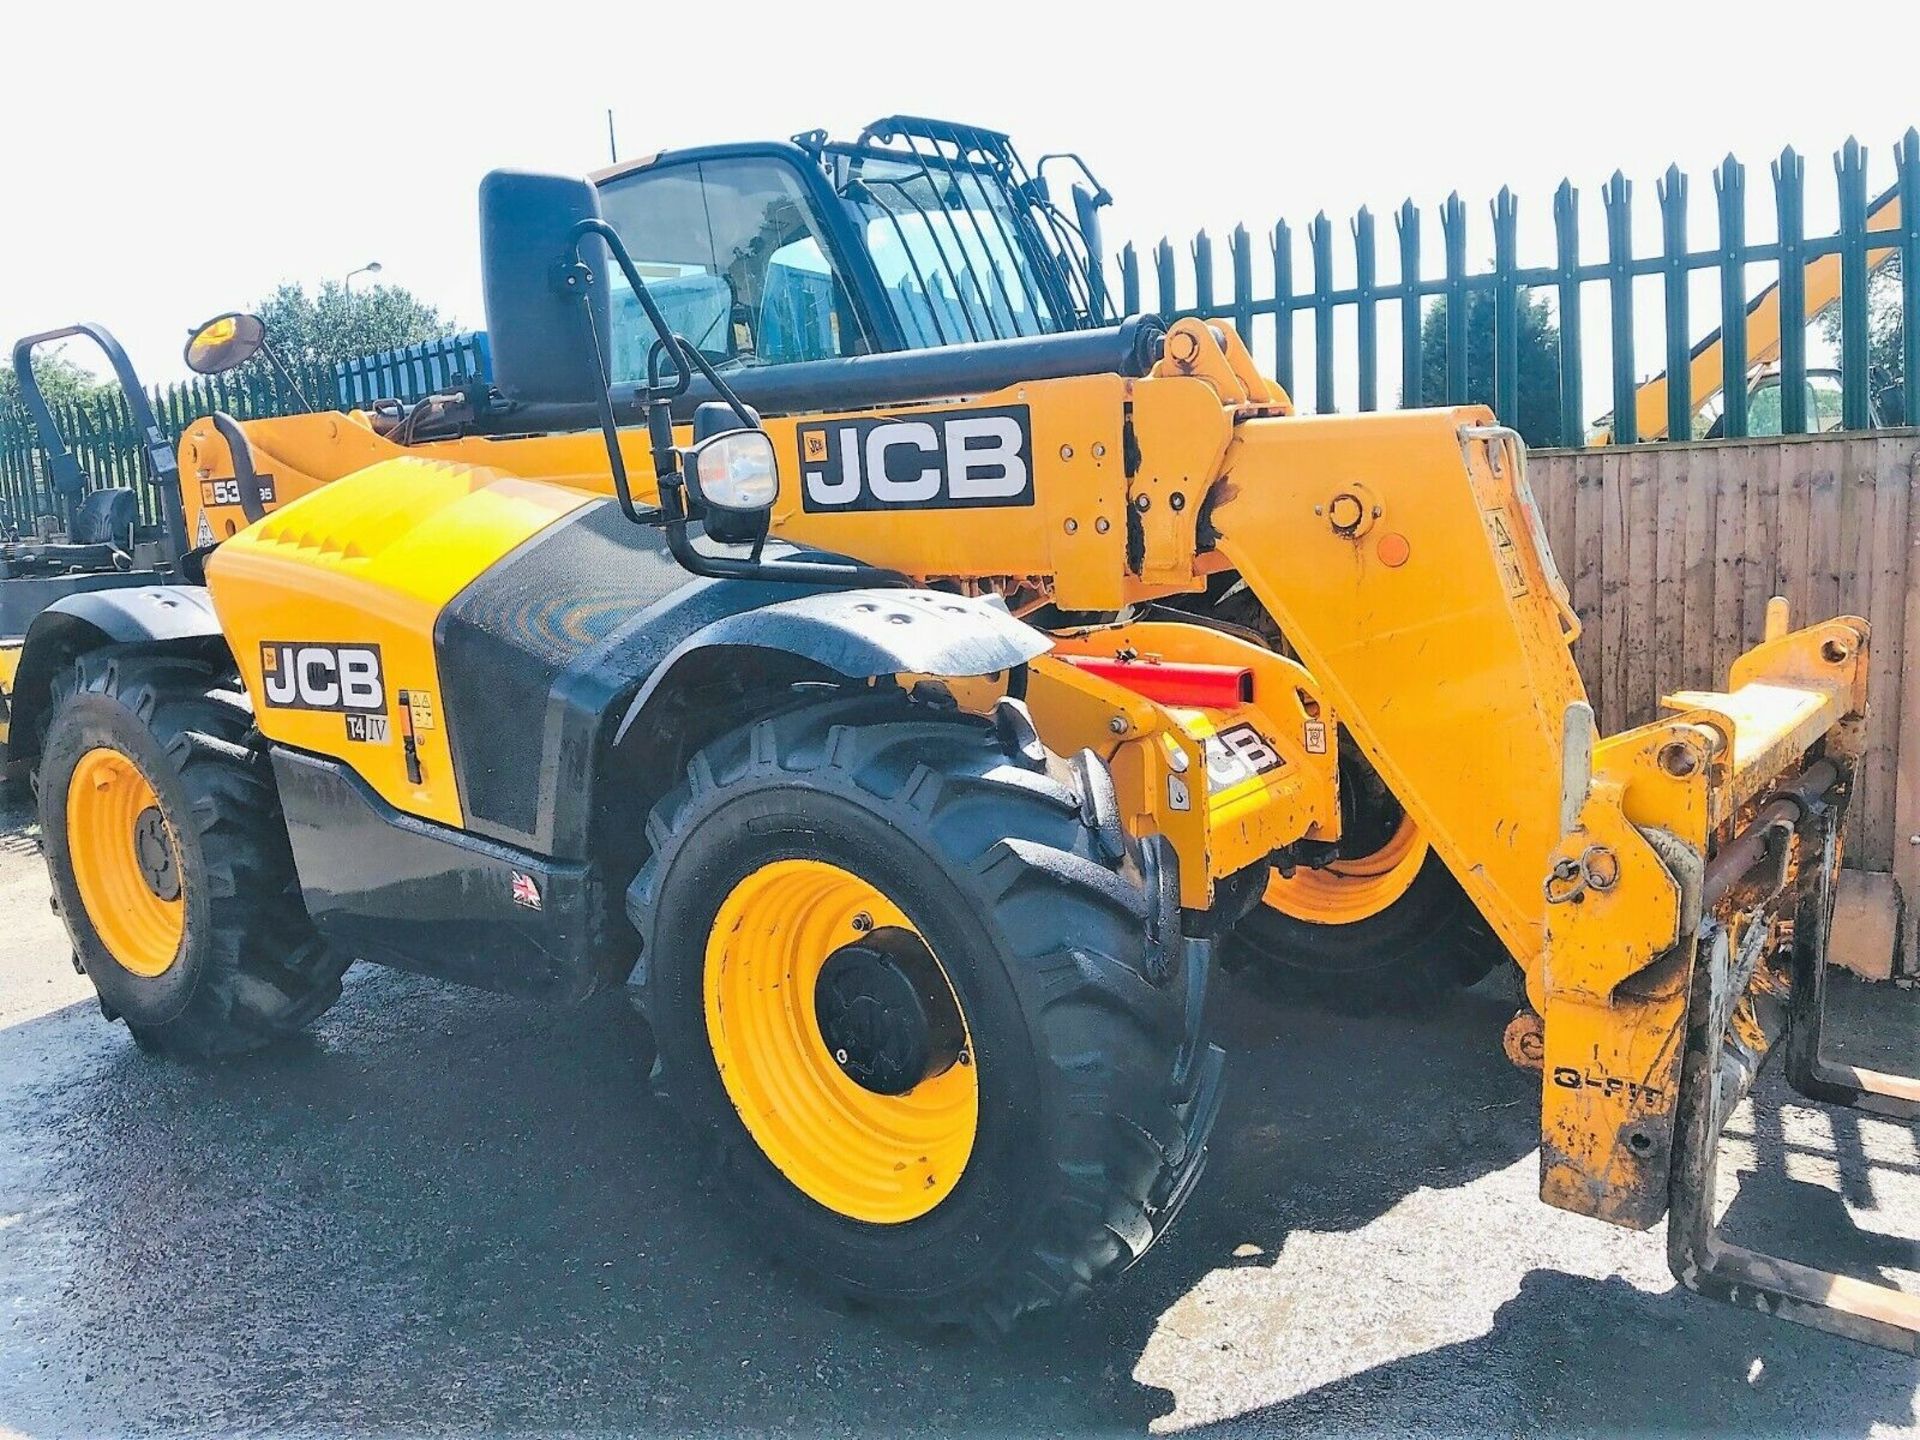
246,475
686,358
163,468
788,572
1101,195
603,395
273,359
672,513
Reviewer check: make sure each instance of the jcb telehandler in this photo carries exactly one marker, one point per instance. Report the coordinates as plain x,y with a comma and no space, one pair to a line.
687,657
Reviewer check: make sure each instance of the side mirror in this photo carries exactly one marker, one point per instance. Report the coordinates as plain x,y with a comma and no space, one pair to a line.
528,225
225,343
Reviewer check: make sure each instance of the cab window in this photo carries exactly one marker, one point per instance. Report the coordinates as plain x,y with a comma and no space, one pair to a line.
945,243
1825,404
733,255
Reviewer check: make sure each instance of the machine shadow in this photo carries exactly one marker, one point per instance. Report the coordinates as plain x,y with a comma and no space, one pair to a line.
1571,1355
444,1210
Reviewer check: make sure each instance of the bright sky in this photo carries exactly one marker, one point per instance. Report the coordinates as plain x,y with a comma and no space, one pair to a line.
165,162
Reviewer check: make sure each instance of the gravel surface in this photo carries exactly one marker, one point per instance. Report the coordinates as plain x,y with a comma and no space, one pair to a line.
445,1212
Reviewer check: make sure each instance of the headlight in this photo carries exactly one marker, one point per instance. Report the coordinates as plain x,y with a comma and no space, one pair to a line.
735,471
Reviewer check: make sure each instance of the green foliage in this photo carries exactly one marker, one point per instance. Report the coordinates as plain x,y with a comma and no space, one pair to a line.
1538,419
1886,335
339,324
61,380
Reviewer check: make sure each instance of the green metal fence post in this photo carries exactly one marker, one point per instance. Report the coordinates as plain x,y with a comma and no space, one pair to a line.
1856,385
1671,190
1163,280
1367,309
1320,242
1506,307
1616,198
1412,379
1453,236
1129,280
1283,305
1203,274
1906,157
1730,196
1240,253
1789,198
1566,236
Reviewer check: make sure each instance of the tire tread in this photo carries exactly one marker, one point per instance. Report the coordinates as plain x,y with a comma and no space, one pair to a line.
266,972
1124,1126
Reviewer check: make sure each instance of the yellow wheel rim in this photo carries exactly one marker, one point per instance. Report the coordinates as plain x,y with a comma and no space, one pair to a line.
1350,890
882,1158
126,863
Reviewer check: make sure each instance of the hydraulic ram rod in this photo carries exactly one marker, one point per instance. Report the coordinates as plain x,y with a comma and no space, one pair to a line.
1755,845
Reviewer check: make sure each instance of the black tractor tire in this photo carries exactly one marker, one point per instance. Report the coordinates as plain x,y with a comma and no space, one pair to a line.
1410,955
1428,944
249,969
1096,1086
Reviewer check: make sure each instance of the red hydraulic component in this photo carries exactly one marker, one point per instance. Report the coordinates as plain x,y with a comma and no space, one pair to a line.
1206,687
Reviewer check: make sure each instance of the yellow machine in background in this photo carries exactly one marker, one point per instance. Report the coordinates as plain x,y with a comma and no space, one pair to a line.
1706,369
549,708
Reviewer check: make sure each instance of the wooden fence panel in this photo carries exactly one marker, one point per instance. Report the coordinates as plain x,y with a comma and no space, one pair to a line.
1672,551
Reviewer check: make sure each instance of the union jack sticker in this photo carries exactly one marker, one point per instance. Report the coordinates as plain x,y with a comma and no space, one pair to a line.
526,893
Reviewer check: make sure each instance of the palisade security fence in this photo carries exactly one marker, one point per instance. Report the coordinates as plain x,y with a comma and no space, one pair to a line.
1265,299
1803,275
100,429
414,371
103,436
1671,551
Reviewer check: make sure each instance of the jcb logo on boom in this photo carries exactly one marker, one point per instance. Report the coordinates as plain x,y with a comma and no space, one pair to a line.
323,677
935,460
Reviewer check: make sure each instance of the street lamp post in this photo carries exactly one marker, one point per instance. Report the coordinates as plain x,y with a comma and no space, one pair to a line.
372,267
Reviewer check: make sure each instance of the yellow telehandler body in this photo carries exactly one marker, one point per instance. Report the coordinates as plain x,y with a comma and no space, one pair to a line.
1665,891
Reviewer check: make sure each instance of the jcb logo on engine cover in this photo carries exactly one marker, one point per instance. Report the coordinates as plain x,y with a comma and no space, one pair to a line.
1237,754
300,676
935,460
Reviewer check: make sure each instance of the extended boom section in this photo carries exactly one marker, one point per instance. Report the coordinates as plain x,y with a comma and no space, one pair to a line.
1666,890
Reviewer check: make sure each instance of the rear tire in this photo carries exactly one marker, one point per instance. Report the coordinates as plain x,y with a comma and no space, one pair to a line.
1094,1090
1412,955
189,921
1387,928
1402,935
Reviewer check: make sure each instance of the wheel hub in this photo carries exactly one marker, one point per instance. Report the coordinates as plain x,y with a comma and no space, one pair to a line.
153,853
886,1012
125,863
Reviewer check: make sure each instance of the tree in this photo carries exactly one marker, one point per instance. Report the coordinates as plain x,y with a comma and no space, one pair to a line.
1886,334
62,381
1539,390
339,324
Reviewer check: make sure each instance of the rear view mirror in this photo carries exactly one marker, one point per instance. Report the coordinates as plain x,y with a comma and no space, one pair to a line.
528,230
225,343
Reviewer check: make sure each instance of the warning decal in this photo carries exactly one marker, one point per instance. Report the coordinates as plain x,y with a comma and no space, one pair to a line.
1506,552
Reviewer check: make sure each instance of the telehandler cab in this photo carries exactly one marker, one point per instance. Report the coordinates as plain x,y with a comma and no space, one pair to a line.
828,693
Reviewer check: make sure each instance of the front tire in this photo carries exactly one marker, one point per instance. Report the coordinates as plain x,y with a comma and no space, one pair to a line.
1024,1105
169,858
